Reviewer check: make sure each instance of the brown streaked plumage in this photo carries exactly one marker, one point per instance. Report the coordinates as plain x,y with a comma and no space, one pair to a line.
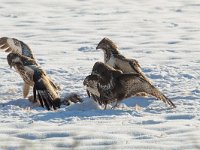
101,71
15,46
12,45
114,87
34,76
72,98
112,57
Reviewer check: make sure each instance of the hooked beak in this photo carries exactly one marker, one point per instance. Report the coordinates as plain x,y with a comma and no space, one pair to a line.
94,73
98,47
10,63
10,60
85,82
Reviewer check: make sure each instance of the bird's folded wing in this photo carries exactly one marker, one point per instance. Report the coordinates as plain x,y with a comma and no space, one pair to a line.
120,57
46,94
14,45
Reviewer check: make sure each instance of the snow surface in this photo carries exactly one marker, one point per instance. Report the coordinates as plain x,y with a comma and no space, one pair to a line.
163,35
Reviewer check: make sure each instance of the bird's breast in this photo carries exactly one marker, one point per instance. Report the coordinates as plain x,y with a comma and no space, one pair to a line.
15,45
26,73
111,61
94,91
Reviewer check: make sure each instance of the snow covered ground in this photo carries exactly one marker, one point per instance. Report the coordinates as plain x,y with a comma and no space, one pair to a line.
163,35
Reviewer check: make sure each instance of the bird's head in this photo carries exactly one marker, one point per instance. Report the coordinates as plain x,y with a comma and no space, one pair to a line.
107,46
13,59
104,71
101,69
90,80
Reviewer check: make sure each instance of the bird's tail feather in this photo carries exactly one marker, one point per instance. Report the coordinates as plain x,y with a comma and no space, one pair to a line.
159,95
46,99
44,96
88,93
56,87
43,100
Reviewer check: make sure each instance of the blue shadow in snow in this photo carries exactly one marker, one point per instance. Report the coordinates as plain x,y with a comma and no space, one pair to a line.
17,102
86,110
89,110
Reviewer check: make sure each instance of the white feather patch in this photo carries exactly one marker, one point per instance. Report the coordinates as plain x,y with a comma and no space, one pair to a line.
111,61
17,59
14,45
93,91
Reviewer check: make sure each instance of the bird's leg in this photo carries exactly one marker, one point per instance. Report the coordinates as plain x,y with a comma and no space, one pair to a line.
88,93
31,99
105,102
105,106
116,105
26,88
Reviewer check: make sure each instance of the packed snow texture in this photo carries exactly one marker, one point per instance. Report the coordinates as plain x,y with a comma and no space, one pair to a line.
163,35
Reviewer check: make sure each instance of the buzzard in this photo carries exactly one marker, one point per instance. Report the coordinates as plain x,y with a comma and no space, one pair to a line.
112,57
100,71
21,58
108,85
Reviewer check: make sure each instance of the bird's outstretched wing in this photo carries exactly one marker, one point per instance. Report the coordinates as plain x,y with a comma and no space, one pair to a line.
34,76
12,45
109,85
128,66
44,91
137,68
133,84
17,46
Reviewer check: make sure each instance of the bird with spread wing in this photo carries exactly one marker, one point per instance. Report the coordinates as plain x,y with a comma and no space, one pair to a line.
107,85
21,58
115,59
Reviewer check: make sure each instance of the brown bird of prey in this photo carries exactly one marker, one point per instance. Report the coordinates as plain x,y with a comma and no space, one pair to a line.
112,57
108,85
21,58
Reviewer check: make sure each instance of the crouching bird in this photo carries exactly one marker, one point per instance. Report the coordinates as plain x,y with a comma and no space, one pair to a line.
22,59
108,85
33,75
12,45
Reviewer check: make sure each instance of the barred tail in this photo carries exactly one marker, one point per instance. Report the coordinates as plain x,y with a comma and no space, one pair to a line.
159,95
